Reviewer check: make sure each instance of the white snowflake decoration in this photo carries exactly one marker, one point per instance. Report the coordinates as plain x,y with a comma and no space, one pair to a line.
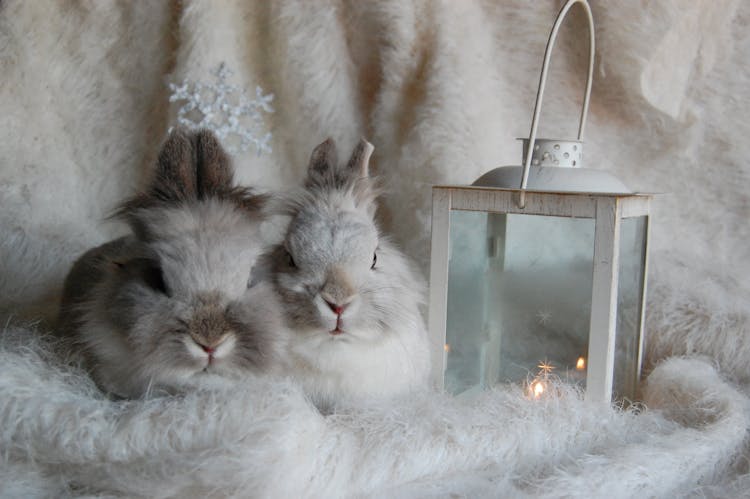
225,109
543,317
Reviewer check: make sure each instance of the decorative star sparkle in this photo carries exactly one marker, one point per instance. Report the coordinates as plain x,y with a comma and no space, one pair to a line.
225,109
543,317
541,382
545,368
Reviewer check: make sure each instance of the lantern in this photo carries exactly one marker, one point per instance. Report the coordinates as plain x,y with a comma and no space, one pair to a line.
540,270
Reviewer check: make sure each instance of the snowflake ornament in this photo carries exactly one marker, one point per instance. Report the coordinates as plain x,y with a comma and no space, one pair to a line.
543,317
226,110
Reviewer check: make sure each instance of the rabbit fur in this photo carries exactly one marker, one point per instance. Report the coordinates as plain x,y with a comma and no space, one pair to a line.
171,304
351,299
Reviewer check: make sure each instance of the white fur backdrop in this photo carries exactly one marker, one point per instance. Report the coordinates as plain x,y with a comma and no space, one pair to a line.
441,89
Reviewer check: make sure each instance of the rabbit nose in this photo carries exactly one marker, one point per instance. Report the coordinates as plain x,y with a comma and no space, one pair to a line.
337,308
210,346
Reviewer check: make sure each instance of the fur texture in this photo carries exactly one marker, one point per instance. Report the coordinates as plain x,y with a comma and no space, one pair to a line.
351,299
174,301
442,89
264,439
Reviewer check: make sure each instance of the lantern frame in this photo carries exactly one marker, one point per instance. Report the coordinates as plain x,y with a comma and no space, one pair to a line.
607,209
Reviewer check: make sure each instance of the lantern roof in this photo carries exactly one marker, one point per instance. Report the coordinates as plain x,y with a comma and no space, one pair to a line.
555,166
552,179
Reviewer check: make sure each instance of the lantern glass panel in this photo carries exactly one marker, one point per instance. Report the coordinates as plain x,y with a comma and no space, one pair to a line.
629,306
519,294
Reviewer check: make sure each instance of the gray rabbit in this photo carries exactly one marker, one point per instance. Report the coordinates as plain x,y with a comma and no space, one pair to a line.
171,304
350,298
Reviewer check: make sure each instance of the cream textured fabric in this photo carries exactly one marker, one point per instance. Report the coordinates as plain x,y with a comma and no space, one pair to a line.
441,89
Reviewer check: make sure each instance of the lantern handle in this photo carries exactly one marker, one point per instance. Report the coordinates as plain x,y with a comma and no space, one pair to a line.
543,80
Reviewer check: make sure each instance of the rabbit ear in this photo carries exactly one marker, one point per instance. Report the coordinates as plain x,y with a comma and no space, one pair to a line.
175,178
359,163
213,170
322,161
324,170
191,167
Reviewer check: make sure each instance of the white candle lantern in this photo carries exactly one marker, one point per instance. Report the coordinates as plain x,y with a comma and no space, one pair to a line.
540,263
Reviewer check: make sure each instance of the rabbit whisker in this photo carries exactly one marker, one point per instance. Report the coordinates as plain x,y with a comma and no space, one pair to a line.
375,290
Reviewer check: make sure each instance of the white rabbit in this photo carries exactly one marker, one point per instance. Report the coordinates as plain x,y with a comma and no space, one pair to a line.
172,304
351,299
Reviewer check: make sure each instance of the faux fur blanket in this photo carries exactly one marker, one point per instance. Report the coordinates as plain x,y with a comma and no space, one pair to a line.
60,437
441,89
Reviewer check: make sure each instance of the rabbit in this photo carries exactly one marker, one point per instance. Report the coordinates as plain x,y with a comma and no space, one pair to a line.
351,299
171,304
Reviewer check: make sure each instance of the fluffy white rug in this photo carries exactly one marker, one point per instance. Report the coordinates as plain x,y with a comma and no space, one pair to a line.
441,89
263,439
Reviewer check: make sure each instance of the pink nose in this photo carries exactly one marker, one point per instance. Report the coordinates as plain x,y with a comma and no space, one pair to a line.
337,309
208,349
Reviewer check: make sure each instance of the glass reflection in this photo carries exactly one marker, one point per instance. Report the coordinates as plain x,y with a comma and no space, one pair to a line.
519,294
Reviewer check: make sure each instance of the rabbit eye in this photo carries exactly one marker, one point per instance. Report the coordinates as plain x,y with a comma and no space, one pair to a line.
147,271
254,277
374,260
154,278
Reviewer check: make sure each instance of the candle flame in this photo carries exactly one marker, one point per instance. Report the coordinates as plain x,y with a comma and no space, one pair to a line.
581,364
537,389
447,348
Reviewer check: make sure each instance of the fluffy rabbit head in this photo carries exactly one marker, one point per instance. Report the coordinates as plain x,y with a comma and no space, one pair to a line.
174,302
350,296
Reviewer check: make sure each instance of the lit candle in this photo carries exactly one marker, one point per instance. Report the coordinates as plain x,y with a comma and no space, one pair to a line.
578,375
537,389
580,364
